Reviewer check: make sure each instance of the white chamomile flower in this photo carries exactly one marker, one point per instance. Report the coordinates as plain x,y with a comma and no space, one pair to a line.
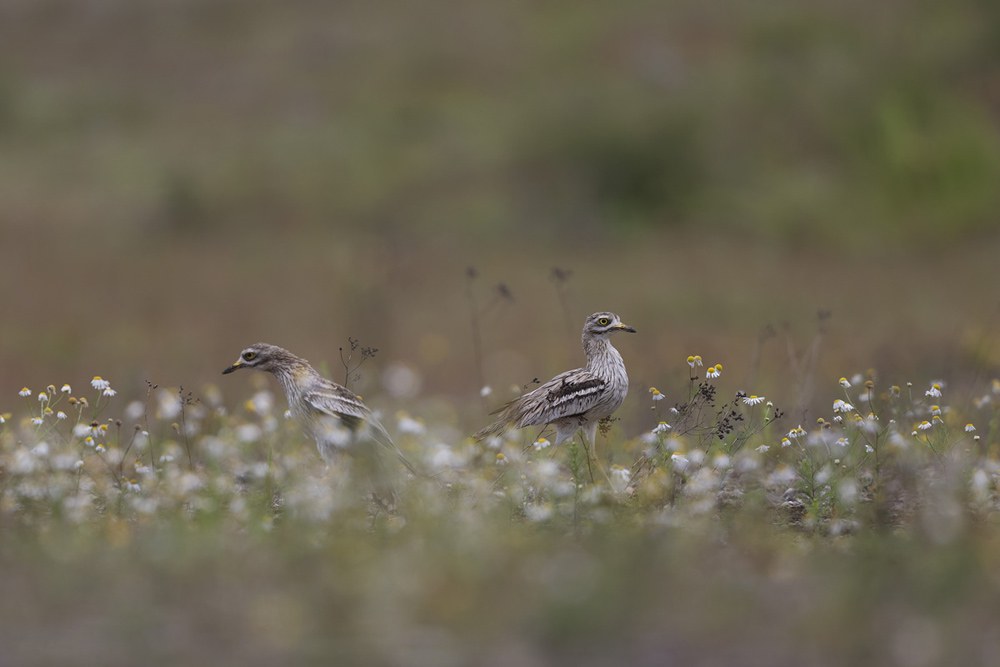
969,428
662,427
407,424
677,457
934,391
501,459
108,391
721,461
842,442
541,444
763,448
42,397
99,383
694,361
37,421
620,474
25,392
714,371
841,405
869,449
66,390
924,425
785,442
100,448
844,383
657,394
131,485
60,415
753,400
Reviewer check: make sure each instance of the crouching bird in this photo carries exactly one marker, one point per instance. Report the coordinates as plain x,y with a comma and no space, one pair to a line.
331,415
577,399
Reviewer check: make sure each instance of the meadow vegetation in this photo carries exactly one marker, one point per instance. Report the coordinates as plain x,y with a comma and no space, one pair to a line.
174,528
795,205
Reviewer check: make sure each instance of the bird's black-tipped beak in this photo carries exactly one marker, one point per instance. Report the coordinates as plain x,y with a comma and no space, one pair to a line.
235,367
625,327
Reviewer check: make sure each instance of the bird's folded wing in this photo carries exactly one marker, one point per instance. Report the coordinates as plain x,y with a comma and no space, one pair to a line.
567,394
337,401
340,402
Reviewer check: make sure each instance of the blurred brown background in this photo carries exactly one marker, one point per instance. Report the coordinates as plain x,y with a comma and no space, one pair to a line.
179,179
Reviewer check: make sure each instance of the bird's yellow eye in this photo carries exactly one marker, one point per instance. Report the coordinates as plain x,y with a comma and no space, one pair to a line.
604,321
248,356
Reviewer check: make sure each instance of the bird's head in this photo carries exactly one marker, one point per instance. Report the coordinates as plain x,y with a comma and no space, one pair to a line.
262,357
604,324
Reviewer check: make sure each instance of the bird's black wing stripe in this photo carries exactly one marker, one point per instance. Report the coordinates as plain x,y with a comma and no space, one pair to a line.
568,391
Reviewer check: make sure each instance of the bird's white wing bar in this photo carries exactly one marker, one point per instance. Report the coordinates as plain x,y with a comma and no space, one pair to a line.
574,391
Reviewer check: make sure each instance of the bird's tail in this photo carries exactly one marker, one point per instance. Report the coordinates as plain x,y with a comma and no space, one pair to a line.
378,463
379,476
495,428
379,435
508,415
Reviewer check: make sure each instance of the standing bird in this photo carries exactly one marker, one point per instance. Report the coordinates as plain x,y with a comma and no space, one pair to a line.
575,399
330,414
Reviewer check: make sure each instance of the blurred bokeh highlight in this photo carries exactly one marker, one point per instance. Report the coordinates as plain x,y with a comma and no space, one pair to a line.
797,190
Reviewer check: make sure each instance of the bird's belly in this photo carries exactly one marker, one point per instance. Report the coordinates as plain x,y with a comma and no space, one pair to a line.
328,431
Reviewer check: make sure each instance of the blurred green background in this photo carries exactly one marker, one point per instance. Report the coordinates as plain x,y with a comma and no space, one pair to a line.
180,179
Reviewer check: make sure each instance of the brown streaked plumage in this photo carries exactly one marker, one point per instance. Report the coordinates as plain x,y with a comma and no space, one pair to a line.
328,413
575,399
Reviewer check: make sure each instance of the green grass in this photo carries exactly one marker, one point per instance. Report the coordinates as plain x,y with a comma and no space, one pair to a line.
223,528
183,179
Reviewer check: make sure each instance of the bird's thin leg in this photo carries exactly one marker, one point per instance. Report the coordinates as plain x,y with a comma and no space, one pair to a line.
590,468
591,448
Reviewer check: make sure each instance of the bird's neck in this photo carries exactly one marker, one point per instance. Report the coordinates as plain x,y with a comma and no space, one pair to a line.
602,357
294,378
